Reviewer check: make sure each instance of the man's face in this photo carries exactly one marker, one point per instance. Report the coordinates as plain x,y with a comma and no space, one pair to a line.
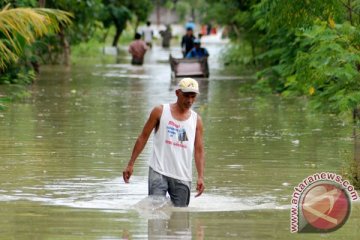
186,99
197,45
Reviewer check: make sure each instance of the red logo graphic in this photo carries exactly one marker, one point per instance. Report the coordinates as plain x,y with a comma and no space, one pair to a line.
325,207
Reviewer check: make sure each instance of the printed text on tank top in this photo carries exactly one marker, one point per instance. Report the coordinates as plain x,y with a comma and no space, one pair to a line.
173,144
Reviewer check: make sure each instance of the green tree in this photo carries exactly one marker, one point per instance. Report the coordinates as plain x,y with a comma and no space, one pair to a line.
87,14
300,47
19,3
86,20
317,47
305,48
118,13
183,9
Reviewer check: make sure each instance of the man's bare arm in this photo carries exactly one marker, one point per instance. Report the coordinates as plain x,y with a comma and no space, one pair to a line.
141,141
199,157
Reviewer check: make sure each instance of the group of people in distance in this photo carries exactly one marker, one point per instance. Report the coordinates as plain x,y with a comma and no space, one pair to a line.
191,46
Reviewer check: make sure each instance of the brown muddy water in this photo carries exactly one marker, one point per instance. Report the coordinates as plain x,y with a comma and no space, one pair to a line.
62,152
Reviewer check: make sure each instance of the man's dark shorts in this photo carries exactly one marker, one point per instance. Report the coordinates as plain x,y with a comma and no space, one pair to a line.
137,61
178,190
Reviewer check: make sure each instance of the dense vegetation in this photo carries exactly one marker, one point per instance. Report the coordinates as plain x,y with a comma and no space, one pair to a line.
36,32
299,48
89,16
19,28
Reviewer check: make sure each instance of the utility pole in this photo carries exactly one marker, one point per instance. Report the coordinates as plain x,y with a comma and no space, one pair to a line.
158,12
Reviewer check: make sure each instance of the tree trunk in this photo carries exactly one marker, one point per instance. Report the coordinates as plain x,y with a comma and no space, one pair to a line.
356,154
356,114
158,12
253,51
350,12
136,25
117,36
66,47
42,3
236,30
356,117
105,35
193,14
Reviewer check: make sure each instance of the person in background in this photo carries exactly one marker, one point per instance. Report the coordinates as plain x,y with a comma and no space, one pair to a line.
197,51
187,41
166,36
214,30
137,48
209,29
203,31
148,34
190,24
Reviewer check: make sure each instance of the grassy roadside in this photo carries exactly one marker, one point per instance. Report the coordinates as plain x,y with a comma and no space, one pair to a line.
92,50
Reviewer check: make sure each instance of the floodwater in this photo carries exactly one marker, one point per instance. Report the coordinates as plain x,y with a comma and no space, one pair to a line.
62,152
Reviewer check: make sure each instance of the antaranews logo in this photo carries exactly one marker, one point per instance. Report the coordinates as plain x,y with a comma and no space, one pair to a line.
321,203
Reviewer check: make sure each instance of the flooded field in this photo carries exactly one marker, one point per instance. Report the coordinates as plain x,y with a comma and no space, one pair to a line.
62,152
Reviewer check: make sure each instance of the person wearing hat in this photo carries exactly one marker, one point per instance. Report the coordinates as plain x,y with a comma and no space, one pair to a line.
197,51
178,136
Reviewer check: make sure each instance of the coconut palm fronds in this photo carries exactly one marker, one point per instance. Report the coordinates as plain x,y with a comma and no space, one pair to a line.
21,26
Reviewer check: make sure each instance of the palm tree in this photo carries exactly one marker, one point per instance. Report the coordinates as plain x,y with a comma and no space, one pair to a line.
21,26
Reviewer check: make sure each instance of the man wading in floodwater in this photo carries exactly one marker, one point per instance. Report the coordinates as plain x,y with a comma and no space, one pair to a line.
178,132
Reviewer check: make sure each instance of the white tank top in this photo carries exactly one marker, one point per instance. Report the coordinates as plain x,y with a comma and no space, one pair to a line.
174,146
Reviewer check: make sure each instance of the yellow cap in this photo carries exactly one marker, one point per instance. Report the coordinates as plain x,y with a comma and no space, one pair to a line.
188,85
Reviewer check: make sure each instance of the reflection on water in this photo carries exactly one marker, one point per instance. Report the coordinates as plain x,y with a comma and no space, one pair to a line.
63,150
178,225
163,219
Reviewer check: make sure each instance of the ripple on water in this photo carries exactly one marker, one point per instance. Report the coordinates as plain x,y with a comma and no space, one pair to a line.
114,195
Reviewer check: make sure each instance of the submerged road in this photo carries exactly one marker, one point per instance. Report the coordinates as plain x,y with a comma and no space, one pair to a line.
62,152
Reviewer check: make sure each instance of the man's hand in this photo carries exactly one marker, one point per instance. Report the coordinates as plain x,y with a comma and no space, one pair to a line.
127,173
200,187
